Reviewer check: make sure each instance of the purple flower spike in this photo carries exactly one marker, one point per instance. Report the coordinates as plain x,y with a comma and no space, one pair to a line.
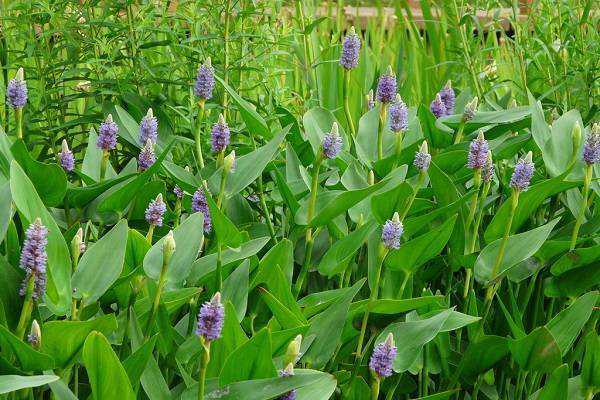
422,158
147,157
16,90
178,192
210,319
487,173
478,152
67,161
155,211
448,97
521,177
107,134
205,81
391,232
288,371
386,87
34,257
470,109
220,135
332,142
398,115
591,149
149,128
199,204
383,357
350,50
437,107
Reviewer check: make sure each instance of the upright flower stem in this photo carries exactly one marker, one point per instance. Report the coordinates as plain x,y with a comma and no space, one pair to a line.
459,134
161,284
413,196
150,234
347,103
473,237
474,201
27,309
226,51
19,122
398,147
309,215
382,122
204,360
198,134
375,388
587,179
219,269
224,174
103,164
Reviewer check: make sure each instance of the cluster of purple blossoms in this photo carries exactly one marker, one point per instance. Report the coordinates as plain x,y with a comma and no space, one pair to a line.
205,81
387,87
107,134
383,357
398,115
521,177
448,97
147,157
220,135
67,161
149,128
478,152
16,91
591,149
34,258
350,50
155,211
332,142
487,172
288,371
178,192
199,204
422,158
437,107
210,319
391,232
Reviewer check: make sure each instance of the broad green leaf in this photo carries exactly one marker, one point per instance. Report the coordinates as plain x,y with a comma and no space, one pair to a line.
286,318
252,360
590,368
317,123
10,301
557,151
235,288
440,396
6,209
136,363
29,204
496,122
107,376
574,282
481,355
537,351
79,196
556,386
227,234
93,157
29,359
394,306
384,205
519,247
106,256
575,259
12,383
281,254
232,337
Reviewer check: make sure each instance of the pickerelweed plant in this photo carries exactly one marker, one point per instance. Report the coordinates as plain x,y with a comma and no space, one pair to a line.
257,200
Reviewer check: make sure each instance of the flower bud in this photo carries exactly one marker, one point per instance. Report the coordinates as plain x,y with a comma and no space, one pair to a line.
35,336
371,179
576,137
293,351
76,244
470,109
168,247
229,162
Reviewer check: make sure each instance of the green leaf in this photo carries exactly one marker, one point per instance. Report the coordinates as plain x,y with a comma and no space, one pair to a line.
482,355
518,248
6,209
394,306
29,204
232,337
537,351
79,196
317,123
29,359
574,259
286,318
106,375
49,180
93,157
63,339
557,151
590,369
556,386
252,360
416,252
565,326
227,234
106,255
495,122
188,238
440,396
384,205
235,288
11,383
136,363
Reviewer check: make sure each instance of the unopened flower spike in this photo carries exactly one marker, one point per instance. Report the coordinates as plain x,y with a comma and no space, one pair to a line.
293,350
149,128
229,162
147,157
422,157
155,211
35,335
591,149
332,142
387,86
398,115
210,319
169,246
437,107
67,161
487,173
383,357
448,97
470,109
370,100
220,135
350,50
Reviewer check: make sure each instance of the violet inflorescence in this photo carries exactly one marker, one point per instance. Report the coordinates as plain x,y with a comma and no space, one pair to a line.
155,211
147,157
521,177
34,258
350,50
210,319
422,158
448,97
391,232
383,357
199,204
149,128
178,192
387,87
332,142
66,158
220,135
478,152
398,113
591,149
16,91
205,81
107,134
437,107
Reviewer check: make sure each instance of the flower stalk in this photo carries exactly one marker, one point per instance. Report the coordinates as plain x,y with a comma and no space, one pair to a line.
168,250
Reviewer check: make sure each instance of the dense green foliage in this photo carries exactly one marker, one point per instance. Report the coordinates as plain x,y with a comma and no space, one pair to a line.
492,293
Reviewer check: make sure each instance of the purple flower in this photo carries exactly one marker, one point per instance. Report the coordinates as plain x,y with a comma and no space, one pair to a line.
149,128
383,357
34,257
178,192
487,172
437,107
147,157
398,115
67,161
199,204
107,134
448,97
478,152
210,319
155,211
422,158
288,371
16,90
205,81
386,87
591,149
470,109
522,174
391,232
220,135
350,50
332,142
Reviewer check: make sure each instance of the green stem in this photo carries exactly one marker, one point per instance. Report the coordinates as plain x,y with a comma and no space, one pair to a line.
459,133
375,388
347,103
103,164
398,148
161,284
27,308
198,135
226,53
224,174
203,367
19,122
586,187
412,197
381,128
177,212
150,234
219,270
474,201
